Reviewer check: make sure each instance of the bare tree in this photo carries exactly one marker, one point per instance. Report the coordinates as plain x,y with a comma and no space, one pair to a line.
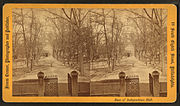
151,24
30,31
75,19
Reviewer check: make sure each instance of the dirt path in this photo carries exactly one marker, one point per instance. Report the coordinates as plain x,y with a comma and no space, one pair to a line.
57,69
131,66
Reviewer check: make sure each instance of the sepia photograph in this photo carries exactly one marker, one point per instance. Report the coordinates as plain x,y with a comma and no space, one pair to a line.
89,52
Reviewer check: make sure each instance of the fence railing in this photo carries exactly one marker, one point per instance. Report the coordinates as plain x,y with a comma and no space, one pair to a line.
43,86
123,86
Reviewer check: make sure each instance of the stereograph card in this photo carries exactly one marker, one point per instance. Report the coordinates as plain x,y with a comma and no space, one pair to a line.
110,53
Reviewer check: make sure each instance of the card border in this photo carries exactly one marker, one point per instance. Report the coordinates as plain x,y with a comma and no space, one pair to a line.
172,92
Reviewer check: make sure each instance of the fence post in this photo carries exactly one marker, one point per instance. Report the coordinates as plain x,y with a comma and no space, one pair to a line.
122,84
74,82
151,84
69,84
40,76
156,84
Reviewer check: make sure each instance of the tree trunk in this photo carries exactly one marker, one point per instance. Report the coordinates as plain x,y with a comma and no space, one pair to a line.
81,63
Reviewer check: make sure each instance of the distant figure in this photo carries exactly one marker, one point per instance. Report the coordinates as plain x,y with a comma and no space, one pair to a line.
133,64
128,54
46,54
